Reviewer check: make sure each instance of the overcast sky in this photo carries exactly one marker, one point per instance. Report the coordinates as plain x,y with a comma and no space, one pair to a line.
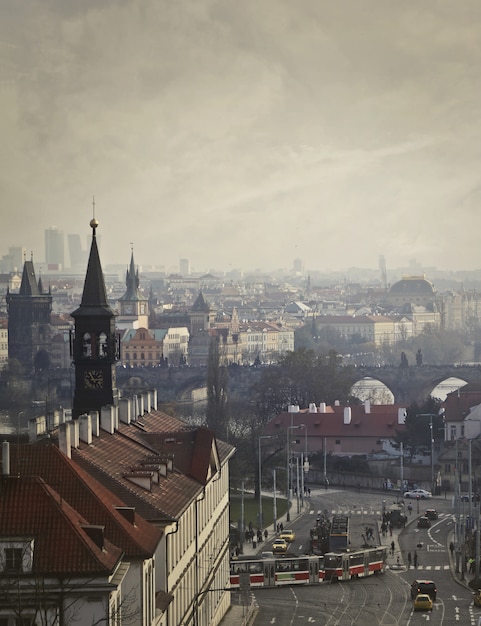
244,134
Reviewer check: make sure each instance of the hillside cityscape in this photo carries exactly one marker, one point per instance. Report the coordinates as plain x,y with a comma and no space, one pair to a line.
146,497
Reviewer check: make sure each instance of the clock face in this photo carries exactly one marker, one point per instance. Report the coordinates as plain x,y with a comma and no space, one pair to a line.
128,309
93,379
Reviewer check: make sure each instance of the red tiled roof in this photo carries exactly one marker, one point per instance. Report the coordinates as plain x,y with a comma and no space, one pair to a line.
88,496
29,508
458,403
112,457
381,422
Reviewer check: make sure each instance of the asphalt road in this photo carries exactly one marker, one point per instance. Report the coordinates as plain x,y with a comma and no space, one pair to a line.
377,600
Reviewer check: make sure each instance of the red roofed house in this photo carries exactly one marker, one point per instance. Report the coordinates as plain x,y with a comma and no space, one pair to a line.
121,525
55,567
344,431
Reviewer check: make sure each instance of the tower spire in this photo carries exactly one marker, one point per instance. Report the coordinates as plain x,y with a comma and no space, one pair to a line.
94,293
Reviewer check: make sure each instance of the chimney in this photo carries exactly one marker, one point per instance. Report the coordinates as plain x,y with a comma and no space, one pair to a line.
85,428
322,407
337,403
107,419
312,407
367,406
401,416
6,458
347,415
64,442
293,408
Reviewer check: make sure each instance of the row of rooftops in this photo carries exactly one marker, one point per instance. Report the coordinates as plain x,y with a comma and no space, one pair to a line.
97,495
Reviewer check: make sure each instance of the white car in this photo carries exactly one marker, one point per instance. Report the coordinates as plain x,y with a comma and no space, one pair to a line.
422,494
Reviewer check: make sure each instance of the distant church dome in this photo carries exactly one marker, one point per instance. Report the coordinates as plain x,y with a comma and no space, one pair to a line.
412,285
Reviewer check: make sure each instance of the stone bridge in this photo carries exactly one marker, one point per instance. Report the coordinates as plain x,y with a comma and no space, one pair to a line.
416,383
408,384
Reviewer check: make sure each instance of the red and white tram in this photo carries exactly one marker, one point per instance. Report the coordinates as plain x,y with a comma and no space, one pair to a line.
355,564
305,570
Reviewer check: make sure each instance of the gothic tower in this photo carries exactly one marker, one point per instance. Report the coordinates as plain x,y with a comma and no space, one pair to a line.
134,307
29,329
95,345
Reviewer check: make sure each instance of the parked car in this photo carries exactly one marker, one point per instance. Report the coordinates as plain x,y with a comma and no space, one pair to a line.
279,546
431,514
423,602
422,494
288,535
424,522
474,497
424,586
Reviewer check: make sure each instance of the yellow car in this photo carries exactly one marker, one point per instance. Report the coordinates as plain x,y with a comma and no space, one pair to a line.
288,535
423,602
279,546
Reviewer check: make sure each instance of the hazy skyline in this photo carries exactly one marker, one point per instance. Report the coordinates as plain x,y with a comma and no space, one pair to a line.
244,134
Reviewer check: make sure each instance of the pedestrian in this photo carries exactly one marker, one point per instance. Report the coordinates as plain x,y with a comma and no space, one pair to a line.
397,562
451,548
266,534
281,526
392,548
410,508
409,560
278,528
390,529
309,491
415,559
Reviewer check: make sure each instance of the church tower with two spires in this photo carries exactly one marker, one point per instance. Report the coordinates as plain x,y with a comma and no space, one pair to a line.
133,305
95,344
29,327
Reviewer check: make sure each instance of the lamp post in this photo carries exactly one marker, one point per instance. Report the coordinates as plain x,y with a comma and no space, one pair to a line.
430,415
433,490
292,427
260,475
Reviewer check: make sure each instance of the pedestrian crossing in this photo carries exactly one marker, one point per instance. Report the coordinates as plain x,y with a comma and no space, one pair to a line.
357,511
428,568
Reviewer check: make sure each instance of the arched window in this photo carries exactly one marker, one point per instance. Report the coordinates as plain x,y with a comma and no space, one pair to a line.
102,345
87,345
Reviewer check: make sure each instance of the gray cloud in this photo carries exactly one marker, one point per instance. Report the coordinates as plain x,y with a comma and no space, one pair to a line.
244,133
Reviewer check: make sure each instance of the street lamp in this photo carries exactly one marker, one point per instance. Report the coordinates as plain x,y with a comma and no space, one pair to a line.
306,464
430,415
260,475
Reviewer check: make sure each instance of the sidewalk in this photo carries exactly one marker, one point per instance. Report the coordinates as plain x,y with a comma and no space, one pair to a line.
402,565
239,615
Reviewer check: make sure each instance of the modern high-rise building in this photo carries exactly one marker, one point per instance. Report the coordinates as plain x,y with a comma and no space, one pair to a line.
13,260
184,267
298,266
54,249
78,254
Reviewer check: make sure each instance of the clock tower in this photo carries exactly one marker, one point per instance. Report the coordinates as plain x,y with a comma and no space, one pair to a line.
95,345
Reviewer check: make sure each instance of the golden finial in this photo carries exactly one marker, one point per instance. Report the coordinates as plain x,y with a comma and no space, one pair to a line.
93,222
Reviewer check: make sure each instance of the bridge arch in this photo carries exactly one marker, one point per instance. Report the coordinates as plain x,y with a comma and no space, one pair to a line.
417,383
